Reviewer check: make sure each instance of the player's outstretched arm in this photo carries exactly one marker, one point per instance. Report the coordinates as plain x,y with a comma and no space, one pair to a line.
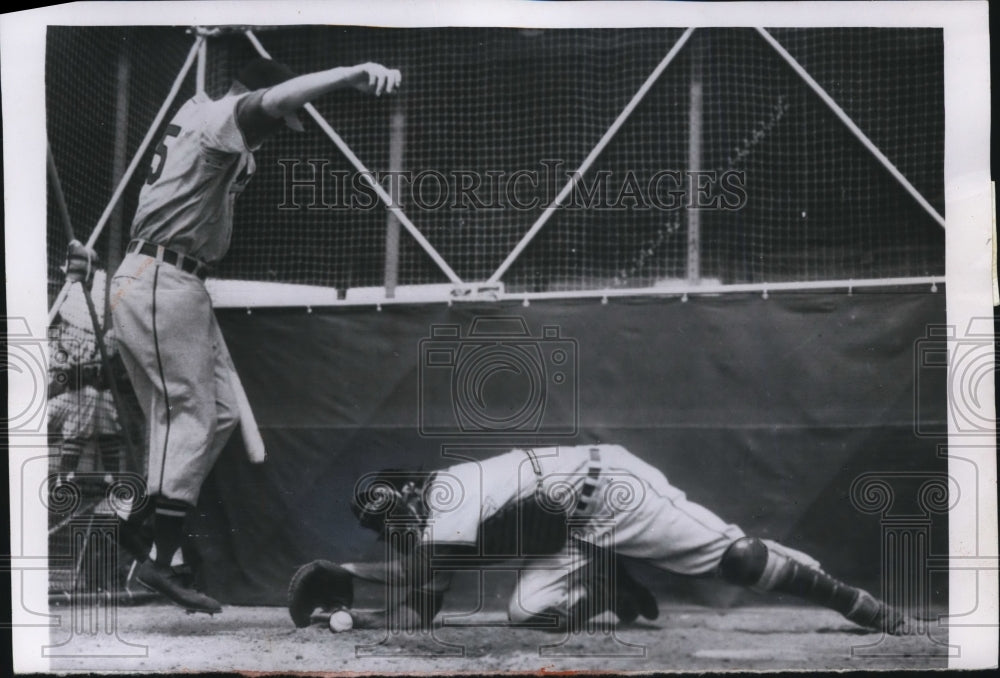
420,590
291,95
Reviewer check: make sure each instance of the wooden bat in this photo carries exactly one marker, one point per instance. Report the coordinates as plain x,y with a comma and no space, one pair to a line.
248,423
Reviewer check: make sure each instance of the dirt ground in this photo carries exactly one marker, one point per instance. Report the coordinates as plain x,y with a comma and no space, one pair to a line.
684,638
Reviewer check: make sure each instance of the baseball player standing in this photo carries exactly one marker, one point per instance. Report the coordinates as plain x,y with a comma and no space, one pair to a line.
169,338
587,506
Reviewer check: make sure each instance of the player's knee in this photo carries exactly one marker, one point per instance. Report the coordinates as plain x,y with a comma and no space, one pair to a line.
745,561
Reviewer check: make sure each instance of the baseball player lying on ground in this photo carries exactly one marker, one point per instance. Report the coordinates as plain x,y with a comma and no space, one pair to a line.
584,508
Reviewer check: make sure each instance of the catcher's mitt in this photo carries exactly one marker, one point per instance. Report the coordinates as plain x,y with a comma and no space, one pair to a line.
318,584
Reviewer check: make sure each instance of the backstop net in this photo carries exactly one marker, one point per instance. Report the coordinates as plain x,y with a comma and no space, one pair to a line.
548,162
730,168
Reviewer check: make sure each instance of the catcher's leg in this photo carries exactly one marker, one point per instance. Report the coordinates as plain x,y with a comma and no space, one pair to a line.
544,597
751,562
593,581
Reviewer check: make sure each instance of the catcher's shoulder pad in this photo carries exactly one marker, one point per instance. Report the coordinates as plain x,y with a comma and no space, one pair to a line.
320,583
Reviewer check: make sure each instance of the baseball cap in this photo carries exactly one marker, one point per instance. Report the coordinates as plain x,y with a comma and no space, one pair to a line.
260,73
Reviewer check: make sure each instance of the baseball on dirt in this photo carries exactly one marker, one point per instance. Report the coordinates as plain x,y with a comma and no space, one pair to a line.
341,621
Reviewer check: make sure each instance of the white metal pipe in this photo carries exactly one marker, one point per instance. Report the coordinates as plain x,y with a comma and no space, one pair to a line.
369,179
434,296
116,196
839,112
397,140
591,157
199,74
695,110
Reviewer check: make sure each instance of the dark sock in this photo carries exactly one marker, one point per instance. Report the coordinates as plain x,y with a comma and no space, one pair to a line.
111,452
69,460
169,528
818,587
750,562
134,534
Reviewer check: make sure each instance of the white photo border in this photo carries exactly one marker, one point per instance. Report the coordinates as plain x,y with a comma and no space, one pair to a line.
968,200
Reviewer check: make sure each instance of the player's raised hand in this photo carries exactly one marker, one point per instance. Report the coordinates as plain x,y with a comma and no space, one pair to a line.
376,79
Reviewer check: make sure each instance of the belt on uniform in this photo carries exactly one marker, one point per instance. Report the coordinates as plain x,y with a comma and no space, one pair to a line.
588,489
168,256
535,466
585,503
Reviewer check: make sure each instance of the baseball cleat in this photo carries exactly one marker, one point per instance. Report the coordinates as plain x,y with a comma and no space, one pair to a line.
648,606
872,613
165,581
632,598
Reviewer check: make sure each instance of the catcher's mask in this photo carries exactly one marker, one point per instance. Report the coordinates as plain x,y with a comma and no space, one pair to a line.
389,493
260,73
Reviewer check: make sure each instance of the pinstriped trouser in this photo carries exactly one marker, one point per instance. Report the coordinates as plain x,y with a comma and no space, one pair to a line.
651,520
172,348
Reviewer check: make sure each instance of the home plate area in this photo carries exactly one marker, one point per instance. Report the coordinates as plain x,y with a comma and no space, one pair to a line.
683,638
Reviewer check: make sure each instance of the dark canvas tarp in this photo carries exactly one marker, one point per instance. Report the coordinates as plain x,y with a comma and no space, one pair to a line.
764,410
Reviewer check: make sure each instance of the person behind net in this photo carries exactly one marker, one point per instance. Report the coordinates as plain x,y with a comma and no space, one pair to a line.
81,408
168,337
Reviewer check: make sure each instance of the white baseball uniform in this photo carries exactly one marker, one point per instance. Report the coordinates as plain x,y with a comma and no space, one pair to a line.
170,340
550,502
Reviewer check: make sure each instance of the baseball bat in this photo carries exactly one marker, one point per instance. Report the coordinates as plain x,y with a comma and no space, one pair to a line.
248,423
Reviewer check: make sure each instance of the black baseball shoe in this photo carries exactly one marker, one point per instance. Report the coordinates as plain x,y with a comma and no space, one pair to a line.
872,613
170,584
632,598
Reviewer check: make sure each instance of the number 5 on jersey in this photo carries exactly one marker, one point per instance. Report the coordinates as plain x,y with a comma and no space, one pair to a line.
160,154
